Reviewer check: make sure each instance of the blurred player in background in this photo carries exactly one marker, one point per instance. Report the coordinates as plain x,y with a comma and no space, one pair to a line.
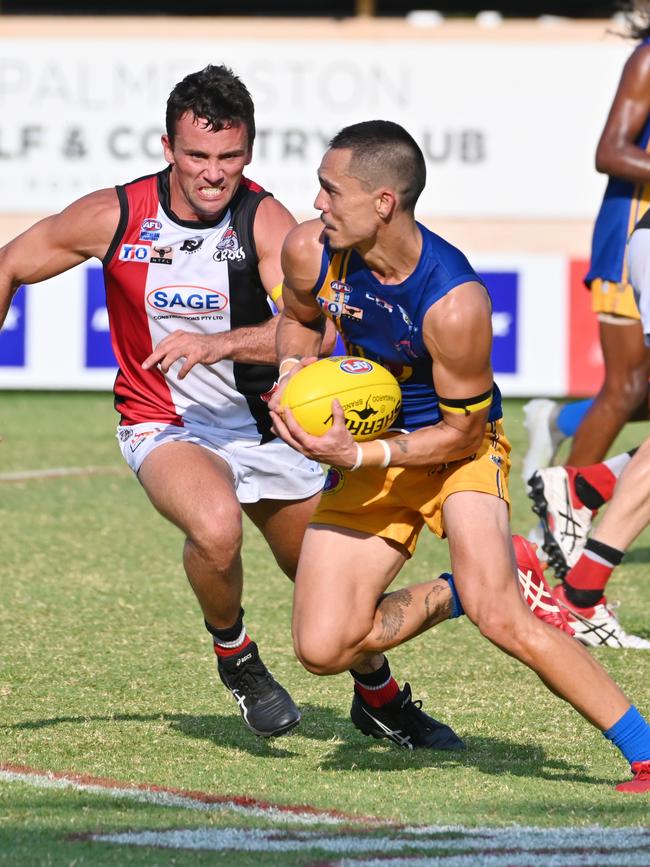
401,295
623,153
566,499
196,247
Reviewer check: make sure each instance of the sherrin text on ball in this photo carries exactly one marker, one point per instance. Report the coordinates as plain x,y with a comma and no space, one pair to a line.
369,394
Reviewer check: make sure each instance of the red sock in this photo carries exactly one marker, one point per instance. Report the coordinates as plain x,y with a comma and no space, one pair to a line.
599,476
231,648
585,583
589,574
376,696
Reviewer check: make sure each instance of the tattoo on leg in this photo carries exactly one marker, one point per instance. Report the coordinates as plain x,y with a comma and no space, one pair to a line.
391,609
437,610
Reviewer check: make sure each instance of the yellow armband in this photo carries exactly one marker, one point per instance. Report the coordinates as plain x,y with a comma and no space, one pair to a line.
276,292
466,405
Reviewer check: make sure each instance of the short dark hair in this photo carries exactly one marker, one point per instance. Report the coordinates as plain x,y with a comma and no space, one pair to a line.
215,94
383,151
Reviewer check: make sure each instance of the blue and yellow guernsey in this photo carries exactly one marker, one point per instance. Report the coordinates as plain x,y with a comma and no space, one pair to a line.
384,322
623,205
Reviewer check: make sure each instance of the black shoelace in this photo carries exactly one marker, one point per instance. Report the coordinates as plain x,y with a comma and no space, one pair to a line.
253,678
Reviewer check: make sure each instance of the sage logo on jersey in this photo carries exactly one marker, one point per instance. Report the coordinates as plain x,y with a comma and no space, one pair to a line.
186,300
228,248
355,365
150,229
135,253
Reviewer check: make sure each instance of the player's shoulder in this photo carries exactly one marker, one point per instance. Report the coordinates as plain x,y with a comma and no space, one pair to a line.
451,258
99,205
302,253
305,239
638,63
94,216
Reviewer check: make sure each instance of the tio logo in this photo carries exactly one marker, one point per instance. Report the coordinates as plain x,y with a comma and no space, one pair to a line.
135,253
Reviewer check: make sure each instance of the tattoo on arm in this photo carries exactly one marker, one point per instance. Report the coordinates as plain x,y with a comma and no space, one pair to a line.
392,610
437,609
402,444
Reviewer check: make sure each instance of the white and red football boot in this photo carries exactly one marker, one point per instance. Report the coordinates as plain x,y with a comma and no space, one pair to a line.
535,588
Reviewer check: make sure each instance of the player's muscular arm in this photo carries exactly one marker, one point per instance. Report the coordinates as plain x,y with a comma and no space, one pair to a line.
458,334
53,245
617,154
302,323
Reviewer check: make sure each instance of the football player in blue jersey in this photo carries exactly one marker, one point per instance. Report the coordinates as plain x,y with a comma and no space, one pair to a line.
623,153
447,467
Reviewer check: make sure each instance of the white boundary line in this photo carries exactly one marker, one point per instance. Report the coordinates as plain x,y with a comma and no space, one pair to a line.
61,472
441,846
168,797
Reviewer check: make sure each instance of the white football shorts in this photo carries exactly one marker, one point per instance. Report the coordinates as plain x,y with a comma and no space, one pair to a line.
272,471
638,263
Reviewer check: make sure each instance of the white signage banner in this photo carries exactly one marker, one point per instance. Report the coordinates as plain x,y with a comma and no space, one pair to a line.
57,333
508,130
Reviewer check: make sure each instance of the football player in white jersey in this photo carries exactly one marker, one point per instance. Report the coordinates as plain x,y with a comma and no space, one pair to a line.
200,440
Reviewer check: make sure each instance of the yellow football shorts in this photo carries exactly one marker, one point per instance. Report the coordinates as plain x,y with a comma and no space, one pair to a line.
397,502
613,298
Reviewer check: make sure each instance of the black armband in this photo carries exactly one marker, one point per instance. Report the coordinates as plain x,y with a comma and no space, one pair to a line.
466,405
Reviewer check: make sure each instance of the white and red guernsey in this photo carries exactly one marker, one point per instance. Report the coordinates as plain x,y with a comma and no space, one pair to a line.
162,274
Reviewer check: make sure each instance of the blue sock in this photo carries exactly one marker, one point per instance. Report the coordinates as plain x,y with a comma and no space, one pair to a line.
570,416
457,608
631,734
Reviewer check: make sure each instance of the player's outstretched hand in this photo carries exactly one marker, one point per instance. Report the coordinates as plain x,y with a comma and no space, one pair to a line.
194,348
283,379
336,447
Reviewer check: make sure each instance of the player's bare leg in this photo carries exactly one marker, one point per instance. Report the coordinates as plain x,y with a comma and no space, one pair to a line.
623,396
485,579
194,489
629,512
283,524
342,619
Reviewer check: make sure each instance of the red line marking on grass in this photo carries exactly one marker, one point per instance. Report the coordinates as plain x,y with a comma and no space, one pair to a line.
185,797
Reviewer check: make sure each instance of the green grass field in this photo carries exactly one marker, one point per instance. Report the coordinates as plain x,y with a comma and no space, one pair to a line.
107,671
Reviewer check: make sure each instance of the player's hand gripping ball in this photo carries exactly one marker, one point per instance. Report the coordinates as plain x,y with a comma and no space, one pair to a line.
369,394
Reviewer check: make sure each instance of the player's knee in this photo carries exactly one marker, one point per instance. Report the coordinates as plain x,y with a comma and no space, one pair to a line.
635,390
514,630
319,656
626,390
496,621
217,534
495,626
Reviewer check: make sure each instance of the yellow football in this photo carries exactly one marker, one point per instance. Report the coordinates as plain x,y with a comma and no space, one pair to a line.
369,394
